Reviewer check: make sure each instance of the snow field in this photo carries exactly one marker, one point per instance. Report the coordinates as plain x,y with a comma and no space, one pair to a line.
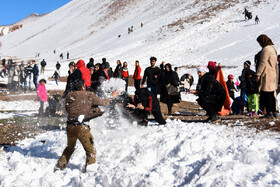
176,154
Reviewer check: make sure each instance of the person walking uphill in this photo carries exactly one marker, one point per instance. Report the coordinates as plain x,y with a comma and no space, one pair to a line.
42,95
267,75
211,94
81,106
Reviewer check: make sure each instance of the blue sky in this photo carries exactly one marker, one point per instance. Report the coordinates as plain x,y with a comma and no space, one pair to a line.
13,11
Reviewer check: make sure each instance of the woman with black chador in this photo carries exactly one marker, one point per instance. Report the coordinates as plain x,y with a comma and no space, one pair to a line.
169,87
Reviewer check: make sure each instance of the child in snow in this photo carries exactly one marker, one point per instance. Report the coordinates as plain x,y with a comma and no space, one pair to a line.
242,85
231,86
42,95
252,92
81,106
56,76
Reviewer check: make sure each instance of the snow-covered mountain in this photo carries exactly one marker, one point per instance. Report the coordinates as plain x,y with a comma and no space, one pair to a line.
178,32
6,29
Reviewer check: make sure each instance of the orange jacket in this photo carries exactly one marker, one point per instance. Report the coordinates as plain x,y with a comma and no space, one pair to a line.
137,73
125,72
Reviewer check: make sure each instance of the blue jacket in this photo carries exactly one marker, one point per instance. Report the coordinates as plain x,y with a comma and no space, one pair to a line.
35,70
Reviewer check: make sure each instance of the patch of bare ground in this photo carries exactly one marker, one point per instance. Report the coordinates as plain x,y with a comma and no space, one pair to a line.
208,9
15,129
115,9
60,79
19,128
191,112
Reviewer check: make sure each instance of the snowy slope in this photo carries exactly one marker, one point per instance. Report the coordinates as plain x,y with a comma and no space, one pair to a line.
178,154
179,32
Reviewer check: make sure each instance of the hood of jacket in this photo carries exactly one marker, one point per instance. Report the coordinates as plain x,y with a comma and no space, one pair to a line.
80,64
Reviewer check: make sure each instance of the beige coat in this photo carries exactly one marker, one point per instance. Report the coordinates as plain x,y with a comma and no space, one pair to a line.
268,69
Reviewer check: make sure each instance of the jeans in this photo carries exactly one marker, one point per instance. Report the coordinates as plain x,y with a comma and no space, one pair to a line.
35,81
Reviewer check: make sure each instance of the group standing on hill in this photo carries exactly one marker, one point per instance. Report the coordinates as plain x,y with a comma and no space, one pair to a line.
258,93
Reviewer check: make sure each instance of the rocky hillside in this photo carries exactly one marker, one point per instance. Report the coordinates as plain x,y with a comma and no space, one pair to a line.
173,30
6,29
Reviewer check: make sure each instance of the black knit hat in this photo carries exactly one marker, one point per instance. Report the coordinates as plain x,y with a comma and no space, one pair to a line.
248,63
106,65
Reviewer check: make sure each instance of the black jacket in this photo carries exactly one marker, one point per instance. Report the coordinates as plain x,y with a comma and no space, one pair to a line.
71,80
58,66
242,78
43,63
149,74
148,100
231,88
251,83
28,70
95,79
172,78
118,71
211,90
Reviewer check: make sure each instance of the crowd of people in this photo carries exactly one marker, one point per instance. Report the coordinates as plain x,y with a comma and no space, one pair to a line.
258,91
20,74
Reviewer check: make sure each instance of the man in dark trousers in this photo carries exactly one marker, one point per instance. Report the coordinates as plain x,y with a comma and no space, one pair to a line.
137,75
152,74
35,74
81,106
